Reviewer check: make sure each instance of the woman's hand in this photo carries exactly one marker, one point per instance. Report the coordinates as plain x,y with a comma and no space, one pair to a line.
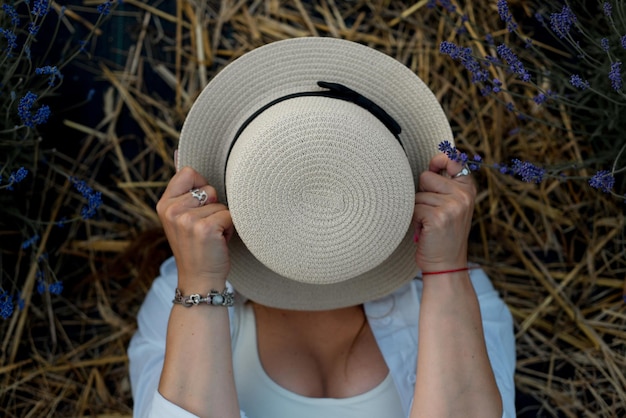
454,375
197,370
197,233
443,215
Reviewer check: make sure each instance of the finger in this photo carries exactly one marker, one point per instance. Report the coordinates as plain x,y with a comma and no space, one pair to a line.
224,223
440,163
199,197
421,219
213,222
433,182
207,210
188,206
170,209
183,181
173,206
431,199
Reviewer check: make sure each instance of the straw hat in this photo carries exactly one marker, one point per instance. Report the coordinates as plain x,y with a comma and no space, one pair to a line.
316,145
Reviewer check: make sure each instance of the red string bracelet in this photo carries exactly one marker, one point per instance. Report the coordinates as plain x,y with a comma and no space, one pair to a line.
432,273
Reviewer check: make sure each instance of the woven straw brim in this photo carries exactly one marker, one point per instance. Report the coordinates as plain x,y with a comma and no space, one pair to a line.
294,66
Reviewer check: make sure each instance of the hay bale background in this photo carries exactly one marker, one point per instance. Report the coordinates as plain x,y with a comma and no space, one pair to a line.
555,251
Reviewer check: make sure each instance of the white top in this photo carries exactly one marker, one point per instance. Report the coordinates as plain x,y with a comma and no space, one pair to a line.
257,392
393,319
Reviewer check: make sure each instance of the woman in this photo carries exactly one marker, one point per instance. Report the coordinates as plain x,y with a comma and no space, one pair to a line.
325,152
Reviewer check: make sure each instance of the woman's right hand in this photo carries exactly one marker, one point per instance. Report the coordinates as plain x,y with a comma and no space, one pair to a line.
198,234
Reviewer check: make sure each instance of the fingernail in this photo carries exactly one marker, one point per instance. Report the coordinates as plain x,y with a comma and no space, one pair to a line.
416,236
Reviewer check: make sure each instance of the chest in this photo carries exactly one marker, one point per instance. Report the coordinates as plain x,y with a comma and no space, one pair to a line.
319,357
295,381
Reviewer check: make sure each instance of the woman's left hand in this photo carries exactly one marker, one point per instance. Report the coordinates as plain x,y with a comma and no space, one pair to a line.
443,214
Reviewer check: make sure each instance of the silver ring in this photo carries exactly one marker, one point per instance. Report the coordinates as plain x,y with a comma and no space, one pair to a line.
465,171
200,195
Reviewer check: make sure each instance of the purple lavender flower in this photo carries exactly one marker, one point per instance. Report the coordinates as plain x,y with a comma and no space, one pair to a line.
24,106
607,8
475,165
539,18
446,147
540,98
502,168
10,11
497,84
515,65
105,8
30,242
506,16
55,288
561,23
94,199
615,75
470,63
11,38
33,29
603,180
578,82
452,152
529,172
52,71
16,177
24,111
604,43
503,11
623,41
448,48
40,7
42,115
6,305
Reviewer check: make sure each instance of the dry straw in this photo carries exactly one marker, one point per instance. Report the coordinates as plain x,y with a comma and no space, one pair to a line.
555,251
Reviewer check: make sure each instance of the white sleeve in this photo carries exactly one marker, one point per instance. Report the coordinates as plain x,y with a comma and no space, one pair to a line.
499,338
162,408
147,349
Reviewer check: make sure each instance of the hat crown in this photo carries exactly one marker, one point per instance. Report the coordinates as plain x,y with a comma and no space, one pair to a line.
320,191
295,66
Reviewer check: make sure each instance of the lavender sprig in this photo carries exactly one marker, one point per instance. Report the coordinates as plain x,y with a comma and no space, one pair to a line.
6,305
529,172
94,199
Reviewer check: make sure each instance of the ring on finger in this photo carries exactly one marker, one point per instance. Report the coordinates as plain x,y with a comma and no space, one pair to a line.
465,171
201,195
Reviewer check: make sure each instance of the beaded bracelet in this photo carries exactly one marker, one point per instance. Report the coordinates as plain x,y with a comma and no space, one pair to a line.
215,298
